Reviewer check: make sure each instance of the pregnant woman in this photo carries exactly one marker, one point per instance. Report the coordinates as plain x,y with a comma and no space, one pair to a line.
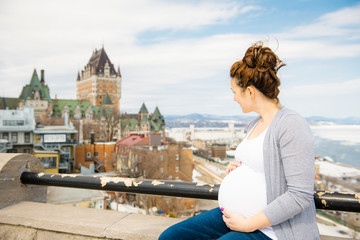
268,191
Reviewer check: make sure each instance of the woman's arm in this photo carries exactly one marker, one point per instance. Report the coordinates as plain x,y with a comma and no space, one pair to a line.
295,143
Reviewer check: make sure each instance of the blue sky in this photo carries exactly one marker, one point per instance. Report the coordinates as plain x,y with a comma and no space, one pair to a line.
176,54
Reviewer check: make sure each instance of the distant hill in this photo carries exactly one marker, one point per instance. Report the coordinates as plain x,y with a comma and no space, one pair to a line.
209,120
317,120
205,120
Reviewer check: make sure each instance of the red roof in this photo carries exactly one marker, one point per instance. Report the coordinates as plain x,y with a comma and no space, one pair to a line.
133,139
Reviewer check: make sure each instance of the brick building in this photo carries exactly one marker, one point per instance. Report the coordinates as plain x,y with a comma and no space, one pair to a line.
144,156
101,155
218,151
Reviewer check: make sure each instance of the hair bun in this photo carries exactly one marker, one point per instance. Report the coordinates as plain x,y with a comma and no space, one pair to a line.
261,58
258,67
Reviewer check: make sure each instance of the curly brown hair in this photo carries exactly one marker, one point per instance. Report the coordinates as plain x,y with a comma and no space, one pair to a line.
258,68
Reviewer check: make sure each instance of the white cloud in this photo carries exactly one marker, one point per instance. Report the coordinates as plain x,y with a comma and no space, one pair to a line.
345,21
351,87
58,36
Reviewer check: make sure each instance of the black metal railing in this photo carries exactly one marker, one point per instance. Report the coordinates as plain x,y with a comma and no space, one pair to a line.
323,199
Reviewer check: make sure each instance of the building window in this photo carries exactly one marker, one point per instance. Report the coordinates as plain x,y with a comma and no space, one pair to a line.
27,137
14,137
177,169
13,122
96,154
27,150
161,157
49,162
5,136
177,156
161,170
88,154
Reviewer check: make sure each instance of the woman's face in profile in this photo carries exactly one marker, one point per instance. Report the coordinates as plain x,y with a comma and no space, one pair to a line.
240,96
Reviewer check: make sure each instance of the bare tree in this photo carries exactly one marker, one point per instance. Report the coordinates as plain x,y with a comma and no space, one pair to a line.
110,122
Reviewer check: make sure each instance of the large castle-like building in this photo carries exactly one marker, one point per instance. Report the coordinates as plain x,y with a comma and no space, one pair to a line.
98,91
99,83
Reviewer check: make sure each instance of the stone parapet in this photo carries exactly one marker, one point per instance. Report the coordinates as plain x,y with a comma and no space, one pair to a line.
31,220
39,221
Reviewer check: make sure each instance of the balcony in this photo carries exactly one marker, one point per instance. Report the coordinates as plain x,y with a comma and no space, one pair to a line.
25,215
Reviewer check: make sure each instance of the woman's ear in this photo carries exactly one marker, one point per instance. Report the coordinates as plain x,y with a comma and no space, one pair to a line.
251,91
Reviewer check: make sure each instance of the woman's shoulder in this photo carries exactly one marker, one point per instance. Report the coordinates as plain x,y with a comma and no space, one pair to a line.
289,115
290,119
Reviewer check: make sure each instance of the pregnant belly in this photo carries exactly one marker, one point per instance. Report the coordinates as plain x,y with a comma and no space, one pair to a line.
243,191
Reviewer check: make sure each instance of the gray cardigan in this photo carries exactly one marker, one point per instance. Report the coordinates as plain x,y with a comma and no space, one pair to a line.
290,173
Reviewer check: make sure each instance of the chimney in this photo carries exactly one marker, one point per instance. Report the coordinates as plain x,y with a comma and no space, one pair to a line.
42,80
92,137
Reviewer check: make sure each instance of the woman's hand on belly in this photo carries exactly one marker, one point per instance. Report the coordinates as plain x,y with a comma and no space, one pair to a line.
237,222
231,166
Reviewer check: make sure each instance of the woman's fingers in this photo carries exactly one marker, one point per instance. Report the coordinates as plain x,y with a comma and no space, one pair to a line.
232,165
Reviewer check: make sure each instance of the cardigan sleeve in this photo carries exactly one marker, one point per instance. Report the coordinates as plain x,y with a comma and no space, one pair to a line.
295,146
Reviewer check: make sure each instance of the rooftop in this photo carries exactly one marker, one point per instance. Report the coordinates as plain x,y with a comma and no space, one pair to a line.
25,215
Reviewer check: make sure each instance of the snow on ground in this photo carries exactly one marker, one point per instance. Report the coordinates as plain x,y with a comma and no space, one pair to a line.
216,168
347,133
337,170
334,229
230,153
196,176
127,208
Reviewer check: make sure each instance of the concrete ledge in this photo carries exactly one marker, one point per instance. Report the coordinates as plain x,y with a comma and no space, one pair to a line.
40,221
46,221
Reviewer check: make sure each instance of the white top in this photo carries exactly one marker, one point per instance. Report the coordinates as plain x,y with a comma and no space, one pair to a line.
243,190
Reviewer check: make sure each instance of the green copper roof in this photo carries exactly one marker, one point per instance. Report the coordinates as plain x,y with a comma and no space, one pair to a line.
143,109
132,123
107,99
156,120
35,85
58,106
156,113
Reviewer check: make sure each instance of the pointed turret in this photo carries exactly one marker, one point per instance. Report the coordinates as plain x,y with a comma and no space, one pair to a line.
156,113
35,86
98,60
157,121
118,74
143,109
78,76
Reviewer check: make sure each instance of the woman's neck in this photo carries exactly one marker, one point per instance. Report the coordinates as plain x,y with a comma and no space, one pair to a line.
267,111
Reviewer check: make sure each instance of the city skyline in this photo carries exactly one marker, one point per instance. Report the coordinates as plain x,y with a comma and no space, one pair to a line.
177,55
